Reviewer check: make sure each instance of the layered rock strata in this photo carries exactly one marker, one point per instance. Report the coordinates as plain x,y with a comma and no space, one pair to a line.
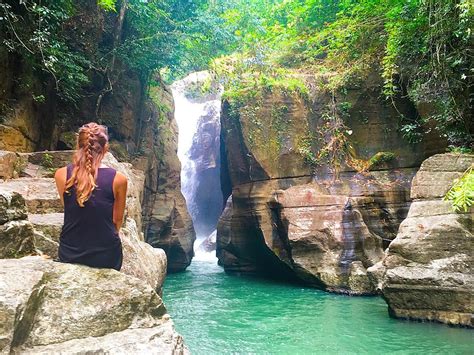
428,272
293,215
167,223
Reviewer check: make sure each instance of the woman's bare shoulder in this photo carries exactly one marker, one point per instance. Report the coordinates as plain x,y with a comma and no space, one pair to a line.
120,179
61,173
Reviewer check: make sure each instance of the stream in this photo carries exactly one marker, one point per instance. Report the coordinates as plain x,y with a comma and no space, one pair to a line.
221,314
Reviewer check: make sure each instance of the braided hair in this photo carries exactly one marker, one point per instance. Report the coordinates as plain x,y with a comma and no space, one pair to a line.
92,143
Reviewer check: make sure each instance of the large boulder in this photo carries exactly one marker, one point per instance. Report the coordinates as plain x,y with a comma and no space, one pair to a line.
49,307
428,272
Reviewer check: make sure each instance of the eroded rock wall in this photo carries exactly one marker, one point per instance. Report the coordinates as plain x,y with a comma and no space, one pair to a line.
295,219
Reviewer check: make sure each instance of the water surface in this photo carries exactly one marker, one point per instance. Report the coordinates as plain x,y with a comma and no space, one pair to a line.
221,314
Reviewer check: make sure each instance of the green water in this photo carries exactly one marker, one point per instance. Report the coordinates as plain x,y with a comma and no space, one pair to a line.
221,314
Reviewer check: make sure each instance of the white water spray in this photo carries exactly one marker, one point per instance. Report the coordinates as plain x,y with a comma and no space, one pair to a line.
197,114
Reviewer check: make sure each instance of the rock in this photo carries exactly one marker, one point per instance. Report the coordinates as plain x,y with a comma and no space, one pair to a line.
40,194
141,259
49,307
16,233
436,175
168,224
323,234
428,272
48,228
7,164
298,216
12,205
208,245
16,239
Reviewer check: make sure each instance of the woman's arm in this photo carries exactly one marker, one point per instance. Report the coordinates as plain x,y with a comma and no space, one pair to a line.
60,177
120,194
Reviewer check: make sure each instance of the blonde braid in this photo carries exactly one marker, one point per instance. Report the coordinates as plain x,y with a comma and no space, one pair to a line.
90,144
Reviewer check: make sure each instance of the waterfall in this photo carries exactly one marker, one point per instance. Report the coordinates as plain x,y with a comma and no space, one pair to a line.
197,112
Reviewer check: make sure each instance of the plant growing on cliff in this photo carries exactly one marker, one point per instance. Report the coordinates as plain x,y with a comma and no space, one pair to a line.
461,194
34,29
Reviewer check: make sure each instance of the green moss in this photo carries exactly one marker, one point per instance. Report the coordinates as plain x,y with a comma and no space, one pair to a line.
380,158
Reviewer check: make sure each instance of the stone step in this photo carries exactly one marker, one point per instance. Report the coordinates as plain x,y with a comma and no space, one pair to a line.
39,193
47,229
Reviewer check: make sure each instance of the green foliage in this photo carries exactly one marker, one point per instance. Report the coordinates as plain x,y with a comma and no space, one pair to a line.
305,149
33,29
421,48
461,195
47,160
108,5
380,158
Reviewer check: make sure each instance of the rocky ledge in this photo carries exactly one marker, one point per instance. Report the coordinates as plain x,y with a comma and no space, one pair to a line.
428,270
50,307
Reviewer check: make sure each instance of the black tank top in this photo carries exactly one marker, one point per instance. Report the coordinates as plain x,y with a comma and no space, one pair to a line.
88,235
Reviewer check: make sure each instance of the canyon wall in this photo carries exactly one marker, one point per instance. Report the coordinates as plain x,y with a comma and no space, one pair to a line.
299,214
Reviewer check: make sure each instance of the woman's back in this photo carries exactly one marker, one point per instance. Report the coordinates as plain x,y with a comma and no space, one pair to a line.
89,236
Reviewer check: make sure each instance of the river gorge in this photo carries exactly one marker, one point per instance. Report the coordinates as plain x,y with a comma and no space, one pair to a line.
289,191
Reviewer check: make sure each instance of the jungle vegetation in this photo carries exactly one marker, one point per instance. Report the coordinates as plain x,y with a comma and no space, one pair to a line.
422,49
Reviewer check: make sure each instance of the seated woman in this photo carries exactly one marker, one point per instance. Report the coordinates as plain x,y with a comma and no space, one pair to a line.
93,196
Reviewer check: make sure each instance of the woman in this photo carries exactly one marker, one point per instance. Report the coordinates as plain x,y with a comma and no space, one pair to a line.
93,196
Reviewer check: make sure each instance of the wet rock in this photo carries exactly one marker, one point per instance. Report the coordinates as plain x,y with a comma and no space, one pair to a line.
429,267
208,245
326,238
49,307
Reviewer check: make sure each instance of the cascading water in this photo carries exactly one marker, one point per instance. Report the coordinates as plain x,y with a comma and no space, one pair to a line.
197,112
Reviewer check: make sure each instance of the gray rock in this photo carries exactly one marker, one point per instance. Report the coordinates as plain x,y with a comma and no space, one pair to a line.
16,239
40,194
12,205
141,259
48,307
428,271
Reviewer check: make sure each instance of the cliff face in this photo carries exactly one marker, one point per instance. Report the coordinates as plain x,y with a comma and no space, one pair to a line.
291,215
34,117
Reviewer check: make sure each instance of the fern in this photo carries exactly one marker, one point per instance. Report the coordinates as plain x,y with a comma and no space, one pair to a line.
461,195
